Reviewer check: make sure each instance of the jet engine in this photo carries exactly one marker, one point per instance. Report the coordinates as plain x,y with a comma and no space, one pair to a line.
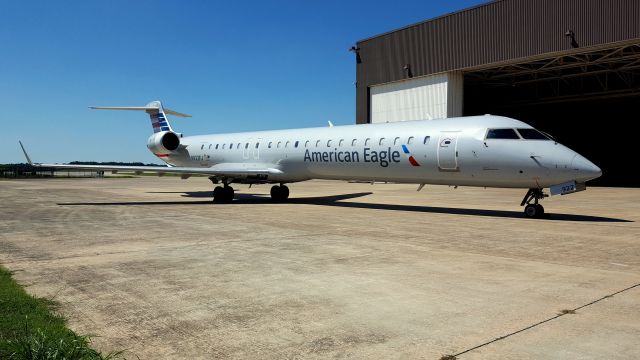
164,142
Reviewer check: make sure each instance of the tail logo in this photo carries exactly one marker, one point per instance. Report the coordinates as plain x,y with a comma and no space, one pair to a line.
159,122
412,160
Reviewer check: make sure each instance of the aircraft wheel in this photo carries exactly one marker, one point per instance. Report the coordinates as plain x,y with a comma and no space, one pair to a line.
218,194
284,190
275,193
228,194
279,193
533,211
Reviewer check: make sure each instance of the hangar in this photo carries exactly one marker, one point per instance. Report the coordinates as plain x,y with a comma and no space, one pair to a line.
570,68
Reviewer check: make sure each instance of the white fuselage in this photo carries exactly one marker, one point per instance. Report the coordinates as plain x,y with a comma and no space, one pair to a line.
450,151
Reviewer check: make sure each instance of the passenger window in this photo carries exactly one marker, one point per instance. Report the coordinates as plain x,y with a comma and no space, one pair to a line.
353,142
366,142
502,134
426,140
396,141
238,147
329,143
202,147
287,144
295,145
318,143
306,143
279,144
217,146
230,146
246,146
341,142
381,142
532,134
210,146
257,145
223,146
270,143
410,140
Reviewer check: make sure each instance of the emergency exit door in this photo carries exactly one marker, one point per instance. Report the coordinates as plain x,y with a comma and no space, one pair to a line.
448,151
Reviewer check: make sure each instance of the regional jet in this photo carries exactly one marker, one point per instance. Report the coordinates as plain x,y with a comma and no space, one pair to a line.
482,151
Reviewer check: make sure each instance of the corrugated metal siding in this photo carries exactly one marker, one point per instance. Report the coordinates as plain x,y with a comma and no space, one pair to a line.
495,32
416,99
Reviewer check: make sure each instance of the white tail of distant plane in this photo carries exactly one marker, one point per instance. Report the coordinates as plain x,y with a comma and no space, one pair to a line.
156,112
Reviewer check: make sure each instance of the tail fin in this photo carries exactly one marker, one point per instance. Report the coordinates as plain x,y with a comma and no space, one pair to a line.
155,110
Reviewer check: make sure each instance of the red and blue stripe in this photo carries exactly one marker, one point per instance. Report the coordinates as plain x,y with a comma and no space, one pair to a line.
412,160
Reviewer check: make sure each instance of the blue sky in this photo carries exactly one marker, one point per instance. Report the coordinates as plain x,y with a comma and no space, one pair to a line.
233,65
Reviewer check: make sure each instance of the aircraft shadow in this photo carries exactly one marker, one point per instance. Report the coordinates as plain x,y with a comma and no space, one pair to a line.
337,200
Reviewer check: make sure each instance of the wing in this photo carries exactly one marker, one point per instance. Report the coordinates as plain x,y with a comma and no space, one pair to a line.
241,170
224,169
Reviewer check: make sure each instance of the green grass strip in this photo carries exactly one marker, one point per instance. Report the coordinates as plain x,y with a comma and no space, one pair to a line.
30,330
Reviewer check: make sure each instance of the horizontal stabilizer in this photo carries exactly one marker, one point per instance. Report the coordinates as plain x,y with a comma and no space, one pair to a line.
150,107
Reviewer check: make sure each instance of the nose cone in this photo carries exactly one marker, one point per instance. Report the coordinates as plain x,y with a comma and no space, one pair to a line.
585,168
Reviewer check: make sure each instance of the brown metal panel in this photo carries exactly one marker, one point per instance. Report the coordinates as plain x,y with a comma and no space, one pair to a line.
494,32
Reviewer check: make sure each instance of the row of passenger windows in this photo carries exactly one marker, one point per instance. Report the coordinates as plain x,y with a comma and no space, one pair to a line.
526,134
318,143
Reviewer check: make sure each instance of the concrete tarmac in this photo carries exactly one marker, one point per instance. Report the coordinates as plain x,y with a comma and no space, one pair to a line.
343,270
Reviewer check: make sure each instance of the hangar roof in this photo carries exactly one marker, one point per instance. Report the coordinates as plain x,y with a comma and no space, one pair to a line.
506,35
495,32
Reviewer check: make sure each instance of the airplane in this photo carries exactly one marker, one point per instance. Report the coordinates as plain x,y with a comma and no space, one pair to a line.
481,151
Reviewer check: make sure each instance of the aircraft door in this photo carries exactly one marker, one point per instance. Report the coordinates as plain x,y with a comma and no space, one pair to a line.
247,149
448,151
256,149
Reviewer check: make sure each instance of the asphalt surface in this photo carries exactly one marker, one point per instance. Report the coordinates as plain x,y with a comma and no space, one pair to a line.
343,270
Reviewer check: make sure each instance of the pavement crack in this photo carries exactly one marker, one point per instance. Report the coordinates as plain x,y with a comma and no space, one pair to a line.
562,313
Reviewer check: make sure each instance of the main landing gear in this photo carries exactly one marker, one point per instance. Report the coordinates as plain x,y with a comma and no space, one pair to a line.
223,194
279,193
534,210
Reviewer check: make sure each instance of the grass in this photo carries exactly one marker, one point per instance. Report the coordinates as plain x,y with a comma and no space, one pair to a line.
29,329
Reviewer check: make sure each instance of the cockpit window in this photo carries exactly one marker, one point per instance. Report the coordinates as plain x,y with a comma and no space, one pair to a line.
532,134
502,134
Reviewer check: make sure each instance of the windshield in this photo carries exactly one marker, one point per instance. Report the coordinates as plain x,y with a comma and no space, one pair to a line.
502,134
532,134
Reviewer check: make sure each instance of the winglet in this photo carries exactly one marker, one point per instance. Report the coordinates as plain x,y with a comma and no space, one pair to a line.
330,123
25,153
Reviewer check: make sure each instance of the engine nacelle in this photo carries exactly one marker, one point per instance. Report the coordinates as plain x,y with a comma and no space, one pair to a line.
164,142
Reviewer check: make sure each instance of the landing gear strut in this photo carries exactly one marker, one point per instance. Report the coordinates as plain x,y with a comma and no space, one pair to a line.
534,210
279,193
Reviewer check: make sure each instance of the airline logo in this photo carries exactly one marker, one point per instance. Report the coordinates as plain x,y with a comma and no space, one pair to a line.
383,158
412,161
159,122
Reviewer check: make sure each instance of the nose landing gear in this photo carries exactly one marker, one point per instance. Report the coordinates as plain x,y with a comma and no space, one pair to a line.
534,210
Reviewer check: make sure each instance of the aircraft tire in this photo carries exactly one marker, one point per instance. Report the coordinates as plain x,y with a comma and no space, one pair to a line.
275,193
533,211
284,192
228,194
218,194
540,210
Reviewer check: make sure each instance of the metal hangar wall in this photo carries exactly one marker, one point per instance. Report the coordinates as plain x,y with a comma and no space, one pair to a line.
570,68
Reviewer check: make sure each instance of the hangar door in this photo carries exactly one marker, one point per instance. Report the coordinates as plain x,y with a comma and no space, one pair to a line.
429,97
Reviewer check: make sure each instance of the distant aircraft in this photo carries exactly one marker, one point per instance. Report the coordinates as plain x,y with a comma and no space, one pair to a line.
486,151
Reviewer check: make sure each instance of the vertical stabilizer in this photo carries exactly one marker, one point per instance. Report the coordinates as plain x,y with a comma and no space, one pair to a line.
159,120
